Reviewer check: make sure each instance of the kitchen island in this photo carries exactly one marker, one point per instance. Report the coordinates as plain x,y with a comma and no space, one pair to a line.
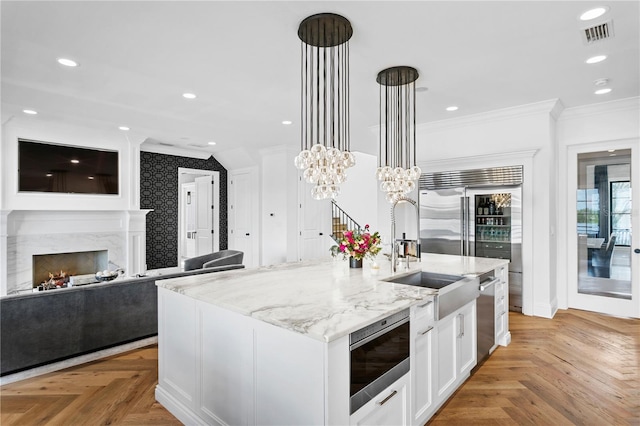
270,345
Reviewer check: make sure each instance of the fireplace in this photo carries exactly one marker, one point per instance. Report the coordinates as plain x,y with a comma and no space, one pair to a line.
25,234
56,268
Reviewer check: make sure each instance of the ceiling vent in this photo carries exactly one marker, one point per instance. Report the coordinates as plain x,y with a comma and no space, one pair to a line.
598,32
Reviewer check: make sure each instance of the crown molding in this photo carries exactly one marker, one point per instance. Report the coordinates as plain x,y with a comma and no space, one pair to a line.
474,161
177,151
627,104
552,107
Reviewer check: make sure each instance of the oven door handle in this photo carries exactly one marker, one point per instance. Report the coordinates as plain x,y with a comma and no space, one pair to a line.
378,334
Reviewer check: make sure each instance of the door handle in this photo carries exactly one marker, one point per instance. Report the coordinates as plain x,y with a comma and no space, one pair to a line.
247,234
388,398
636,251
422,333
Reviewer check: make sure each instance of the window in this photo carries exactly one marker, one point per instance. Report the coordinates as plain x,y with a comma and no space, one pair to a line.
588,209
621,212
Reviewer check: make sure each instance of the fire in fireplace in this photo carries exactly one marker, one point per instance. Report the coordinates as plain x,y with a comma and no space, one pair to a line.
79,265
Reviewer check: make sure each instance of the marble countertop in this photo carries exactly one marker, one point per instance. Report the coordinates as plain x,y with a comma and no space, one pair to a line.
324,300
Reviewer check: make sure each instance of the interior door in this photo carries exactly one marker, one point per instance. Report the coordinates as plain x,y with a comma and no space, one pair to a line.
606,256
204,215
241,209
314,220
188,223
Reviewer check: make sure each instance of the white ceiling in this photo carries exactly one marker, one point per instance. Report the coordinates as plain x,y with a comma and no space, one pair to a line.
242,60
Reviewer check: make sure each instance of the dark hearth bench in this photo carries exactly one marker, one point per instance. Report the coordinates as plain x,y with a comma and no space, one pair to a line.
50,326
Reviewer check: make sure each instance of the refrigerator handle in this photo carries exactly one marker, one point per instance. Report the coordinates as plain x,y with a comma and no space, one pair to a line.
467,227
463,228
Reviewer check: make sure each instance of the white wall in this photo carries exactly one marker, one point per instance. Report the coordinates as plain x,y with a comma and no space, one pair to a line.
129,166
591,127
520,135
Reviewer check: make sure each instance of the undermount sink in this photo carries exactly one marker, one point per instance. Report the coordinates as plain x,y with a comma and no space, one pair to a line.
453,291
426,279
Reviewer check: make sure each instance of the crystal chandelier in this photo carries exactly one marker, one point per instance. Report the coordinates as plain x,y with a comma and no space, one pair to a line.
324,117
397,170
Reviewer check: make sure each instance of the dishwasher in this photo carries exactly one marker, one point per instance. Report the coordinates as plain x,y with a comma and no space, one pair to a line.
486,311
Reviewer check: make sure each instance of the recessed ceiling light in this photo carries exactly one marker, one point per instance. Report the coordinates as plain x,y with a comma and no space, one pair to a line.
287,122
602,91
49,174
452,108
125,128
75,161
29,111
67,62
211,143
596,59
90,178
593,13
612,150
189,95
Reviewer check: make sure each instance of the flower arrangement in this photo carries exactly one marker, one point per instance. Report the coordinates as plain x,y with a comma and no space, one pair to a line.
358,244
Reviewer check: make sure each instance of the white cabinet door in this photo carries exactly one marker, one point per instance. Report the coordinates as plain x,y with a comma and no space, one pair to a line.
177,346
389,407
225,366
422,385
423,338
503,337
467,335
457,349
447,354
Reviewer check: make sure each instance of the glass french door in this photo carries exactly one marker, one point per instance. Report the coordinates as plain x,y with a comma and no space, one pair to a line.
606,269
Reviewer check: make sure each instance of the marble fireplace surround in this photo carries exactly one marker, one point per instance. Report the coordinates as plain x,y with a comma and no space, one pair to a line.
25,233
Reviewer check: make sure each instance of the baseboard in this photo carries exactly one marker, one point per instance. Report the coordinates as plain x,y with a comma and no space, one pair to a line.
545,310
175,407
72,362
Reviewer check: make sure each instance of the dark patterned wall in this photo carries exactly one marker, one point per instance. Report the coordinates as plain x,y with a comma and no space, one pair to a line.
159,191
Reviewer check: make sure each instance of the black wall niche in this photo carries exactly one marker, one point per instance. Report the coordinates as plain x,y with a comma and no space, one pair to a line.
159,191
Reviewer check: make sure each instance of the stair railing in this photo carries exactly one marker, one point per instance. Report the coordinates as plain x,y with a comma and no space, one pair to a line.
341,222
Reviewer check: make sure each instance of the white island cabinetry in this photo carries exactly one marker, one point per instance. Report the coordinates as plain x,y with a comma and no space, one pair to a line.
423,337
457,336
390,407
502,334
223,368
270,345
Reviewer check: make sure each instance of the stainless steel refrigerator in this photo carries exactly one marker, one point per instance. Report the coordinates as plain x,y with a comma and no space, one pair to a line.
475,213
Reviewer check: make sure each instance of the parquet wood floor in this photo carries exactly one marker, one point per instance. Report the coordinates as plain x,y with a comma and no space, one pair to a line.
579,368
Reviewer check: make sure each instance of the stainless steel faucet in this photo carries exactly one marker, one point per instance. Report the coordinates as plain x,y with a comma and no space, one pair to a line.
409,247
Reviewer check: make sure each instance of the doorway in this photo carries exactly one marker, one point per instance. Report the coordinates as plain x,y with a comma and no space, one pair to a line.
198,212
605,272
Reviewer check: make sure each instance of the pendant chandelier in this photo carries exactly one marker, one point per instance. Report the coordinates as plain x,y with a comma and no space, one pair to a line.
397,170
324,117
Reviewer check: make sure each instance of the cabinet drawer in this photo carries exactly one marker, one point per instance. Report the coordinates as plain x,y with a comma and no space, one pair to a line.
424,312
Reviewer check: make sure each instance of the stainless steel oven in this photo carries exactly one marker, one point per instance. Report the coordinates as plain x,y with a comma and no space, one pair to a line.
379,357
